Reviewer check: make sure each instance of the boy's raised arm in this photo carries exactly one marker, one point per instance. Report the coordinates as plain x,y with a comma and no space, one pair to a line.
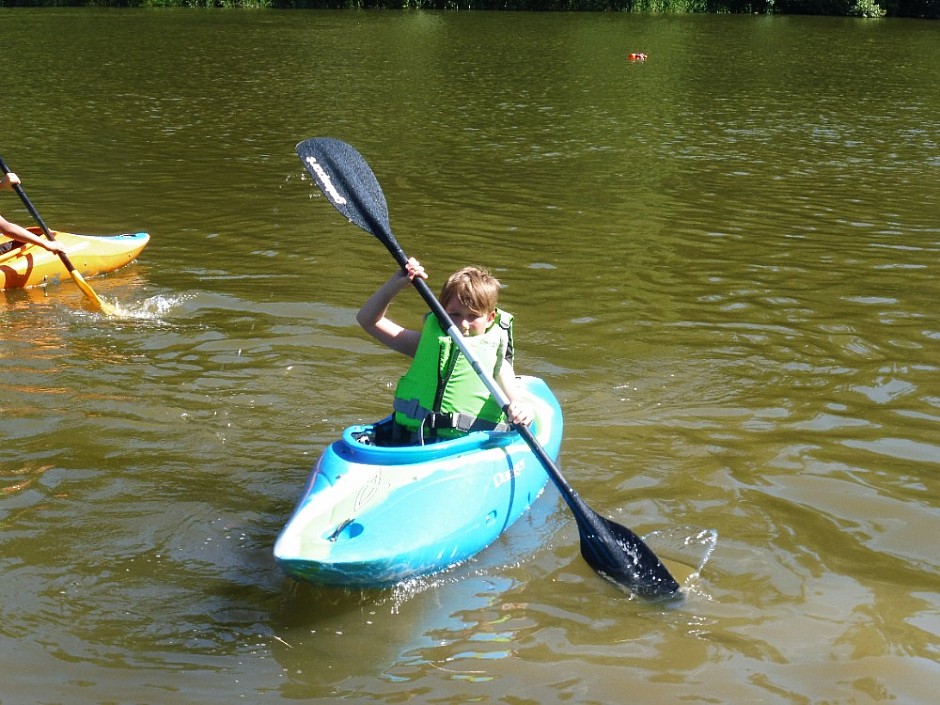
373,316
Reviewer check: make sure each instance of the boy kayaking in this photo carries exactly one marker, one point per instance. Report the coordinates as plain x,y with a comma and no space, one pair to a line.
17,233
441,395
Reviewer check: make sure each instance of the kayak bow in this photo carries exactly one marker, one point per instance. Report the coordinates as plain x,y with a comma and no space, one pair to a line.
31,265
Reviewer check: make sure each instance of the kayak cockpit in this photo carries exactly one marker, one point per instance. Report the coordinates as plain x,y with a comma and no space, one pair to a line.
362,443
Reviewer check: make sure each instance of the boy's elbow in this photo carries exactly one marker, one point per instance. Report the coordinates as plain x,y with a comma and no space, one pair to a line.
366,323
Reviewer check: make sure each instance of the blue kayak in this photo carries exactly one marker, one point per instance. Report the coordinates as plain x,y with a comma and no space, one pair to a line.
372,516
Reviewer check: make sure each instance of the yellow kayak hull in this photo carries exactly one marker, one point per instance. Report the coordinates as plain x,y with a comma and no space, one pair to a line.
31,265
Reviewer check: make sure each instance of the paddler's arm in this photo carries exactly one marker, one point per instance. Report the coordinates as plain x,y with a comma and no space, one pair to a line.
373,316
20,234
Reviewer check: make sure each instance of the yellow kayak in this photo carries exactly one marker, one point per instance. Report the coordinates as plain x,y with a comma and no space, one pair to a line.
30,265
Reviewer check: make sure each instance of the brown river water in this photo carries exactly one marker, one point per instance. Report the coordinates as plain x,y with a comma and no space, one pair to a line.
724,260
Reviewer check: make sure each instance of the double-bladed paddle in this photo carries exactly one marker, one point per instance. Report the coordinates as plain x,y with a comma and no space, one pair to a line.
612,550
76,275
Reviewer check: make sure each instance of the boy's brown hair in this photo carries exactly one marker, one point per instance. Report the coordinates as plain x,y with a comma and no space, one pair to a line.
474,287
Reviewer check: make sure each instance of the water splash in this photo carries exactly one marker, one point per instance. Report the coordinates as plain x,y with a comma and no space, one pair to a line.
154,308
684,551
409,589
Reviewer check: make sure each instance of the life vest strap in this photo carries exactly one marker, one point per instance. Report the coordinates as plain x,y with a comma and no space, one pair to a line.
411,408
434,419
463,422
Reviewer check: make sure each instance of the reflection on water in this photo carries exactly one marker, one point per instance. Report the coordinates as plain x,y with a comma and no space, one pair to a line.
720,259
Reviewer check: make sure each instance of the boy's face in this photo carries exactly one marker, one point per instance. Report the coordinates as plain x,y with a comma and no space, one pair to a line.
468,322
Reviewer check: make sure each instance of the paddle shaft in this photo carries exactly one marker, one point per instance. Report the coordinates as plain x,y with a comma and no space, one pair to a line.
614,551
571,497
33,212
365,215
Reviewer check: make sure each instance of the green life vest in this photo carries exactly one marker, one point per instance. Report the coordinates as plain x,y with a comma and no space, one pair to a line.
441,382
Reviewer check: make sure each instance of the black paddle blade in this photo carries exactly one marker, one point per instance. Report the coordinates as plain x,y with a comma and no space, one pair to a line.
346,180
622,557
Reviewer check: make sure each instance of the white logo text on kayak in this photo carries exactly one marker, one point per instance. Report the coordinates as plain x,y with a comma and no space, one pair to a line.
501,478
